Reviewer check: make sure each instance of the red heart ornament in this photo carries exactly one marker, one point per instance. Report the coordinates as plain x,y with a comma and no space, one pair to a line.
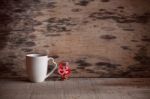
64,70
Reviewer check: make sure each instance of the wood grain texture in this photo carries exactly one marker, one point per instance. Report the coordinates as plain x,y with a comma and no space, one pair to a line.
77,88
98,38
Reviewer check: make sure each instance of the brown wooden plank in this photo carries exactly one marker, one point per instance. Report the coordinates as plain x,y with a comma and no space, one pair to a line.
77,88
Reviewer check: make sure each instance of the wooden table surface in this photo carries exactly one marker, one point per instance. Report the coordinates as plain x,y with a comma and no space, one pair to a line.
76,88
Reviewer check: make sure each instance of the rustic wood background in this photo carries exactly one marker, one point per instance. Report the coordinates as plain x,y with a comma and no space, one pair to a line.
100,38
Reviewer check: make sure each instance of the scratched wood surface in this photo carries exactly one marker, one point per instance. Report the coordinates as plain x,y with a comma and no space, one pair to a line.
99,38
76,88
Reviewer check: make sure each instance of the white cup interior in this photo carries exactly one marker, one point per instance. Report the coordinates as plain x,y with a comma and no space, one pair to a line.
35,55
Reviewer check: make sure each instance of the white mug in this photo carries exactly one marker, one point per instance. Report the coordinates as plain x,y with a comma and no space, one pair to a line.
37,67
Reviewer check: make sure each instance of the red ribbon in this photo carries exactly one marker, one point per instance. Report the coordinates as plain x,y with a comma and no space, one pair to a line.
64,70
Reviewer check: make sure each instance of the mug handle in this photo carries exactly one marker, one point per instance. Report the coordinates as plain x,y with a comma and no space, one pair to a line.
55,67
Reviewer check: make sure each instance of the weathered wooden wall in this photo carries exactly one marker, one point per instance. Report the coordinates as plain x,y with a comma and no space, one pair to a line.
100,38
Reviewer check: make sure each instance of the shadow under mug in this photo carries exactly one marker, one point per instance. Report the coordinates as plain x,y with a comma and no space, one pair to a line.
37,67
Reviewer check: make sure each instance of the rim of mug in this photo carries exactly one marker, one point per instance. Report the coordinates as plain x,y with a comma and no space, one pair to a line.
36,55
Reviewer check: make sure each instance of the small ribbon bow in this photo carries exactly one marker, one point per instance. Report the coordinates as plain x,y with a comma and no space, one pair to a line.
64,70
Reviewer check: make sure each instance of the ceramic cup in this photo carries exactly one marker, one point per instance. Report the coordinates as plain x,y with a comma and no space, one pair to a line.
37,67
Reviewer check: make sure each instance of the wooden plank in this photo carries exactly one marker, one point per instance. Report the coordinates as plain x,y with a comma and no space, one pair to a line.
77,88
